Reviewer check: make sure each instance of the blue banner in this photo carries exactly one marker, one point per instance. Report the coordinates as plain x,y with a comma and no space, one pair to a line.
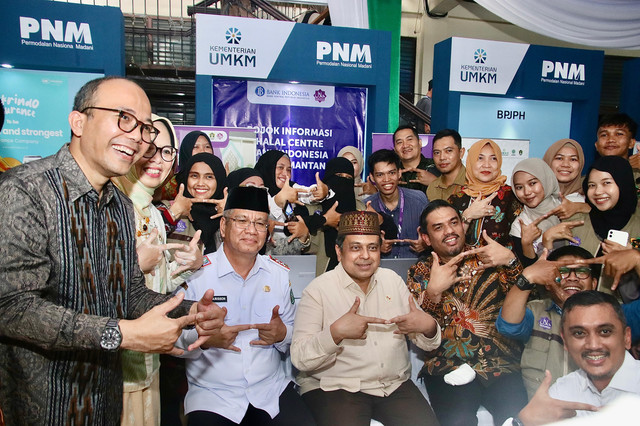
309,122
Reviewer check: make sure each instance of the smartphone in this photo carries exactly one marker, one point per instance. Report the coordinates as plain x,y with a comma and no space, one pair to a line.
289,214
620,237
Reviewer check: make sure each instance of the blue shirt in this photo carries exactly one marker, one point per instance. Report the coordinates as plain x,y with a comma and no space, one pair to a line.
226,382
414,203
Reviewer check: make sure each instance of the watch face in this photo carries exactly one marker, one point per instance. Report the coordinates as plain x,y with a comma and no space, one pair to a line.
110,339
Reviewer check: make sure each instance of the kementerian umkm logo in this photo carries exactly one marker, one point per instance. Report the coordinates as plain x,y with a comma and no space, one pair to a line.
233,36
479,56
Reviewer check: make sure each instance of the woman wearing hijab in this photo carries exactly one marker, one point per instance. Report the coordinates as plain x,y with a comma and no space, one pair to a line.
354,155
486,202
536,186
275,168
610,190
141,404
203,178
244,177
193,143
566,159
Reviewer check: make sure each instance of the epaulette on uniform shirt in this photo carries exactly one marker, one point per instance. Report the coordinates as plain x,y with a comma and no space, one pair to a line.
280,263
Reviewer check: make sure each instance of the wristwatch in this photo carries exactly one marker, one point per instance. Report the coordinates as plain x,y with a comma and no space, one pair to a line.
111,336
512,263
523,283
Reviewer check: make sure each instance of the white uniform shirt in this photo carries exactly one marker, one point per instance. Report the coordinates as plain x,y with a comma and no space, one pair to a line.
226,382
577,387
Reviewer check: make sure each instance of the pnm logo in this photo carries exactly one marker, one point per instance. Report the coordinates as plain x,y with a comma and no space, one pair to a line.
57,30
479,56
233,36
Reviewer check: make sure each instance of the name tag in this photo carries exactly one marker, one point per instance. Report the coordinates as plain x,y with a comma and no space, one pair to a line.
219,299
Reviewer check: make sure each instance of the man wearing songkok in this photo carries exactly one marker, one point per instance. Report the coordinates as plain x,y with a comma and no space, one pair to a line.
349,340
237,376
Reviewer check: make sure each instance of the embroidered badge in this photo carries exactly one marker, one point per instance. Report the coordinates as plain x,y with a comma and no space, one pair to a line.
267,289
545,322
388,298
293,299
205,261
181,226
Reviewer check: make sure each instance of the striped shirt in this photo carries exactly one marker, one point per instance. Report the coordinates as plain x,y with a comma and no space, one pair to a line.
68,263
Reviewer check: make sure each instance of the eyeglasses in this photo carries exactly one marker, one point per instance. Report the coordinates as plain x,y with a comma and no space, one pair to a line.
167,153
127,122
581,272
244,223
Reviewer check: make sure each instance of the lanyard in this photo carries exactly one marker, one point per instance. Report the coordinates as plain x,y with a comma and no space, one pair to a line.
401,208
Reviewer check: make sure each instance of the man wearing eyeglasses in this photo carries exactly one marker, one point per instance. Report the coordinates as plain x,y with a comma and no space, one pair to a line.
237,375
71,290
537,323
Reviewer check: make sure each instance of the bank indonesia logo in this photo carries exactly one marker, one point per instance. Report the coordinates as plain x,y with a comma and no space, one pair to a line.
480,56
320,96
233,36
260,91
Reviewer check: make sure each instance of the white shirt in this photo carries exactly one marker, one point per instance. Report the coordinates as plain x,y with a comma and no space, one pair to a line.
577,387
226,382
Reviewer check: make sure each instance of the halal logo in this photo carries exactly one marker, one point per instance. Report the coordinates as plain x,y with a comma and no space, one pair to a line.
320,95
479,56
233,36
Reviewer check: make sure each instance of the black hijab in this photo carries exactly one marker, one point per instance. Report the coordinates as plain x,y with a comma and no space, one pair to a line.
202,212
236,177
266,166
186,147
617,217
343,194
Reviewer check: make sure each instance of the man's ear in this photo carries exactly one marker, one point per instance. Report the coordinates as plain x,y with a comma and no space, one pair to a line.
77,122
223,222
338,253
627,338
424,237
461,153
632,143
373,182
594,284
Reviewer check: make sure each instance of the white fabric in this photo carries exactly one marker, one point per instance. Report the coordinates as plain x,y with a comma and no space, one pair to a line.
460,376
349,13
577,387
599,23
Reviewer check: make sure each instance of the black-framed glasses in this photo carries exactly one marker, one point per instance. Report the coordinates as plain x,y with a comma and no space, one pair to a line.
128,122
581,272
167,153
244,223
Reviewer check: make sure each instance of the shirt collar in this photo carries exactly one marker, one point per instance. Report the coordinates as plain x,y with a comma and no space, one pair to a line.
77,183
345,280
225,268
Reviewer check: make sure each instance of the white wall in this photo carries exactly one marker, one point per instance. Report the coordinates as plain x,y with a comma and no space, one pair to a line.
467,20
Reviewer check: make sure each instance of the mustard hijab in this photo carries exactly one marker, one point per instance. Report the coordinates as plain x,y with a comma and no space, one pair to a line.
474,186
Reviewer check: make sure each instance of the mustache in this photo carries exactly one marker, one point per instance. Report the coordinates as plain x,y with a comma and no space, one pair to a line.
586,354
452,234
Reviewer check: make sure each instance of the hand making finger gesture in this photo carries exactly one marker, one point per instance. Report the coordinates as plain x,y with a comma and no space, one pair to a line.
220,204
272,332
150,252
181,206
561,231
542,409
321,190
480,207
332,217
615,264
422,176
209,318
298,229
567,208
416,321
442,277
189,257
492,254
154,331
351,325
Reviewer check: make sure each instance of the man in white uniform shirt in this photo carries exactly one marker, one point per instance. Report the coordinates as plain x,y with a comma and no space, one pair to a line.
349,340
237,377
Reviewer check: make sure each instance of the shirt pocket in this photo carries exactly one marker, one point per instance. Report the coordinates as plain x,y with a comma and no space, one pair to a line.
263,307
